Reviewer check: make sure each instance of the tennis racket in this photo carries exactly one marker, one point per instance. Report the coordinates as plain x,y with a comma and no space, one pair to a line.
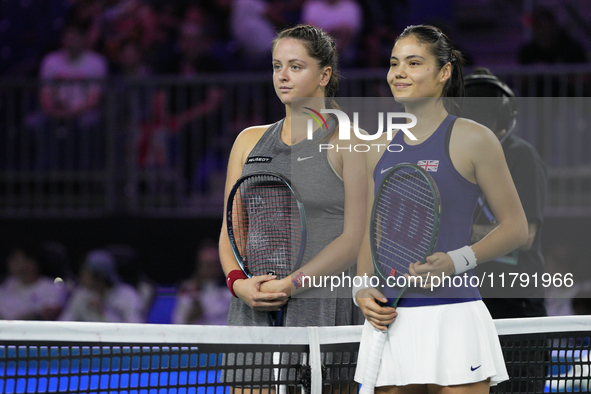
403,230
266,225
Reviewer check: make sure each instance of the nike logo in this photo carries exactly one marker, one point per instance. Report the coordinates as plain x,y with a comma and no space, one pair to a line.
304,158
474,369
467,262
384,170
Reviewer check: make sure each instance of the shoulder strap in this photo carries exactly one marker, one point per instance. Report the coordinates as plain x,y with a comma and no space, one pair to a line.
448,137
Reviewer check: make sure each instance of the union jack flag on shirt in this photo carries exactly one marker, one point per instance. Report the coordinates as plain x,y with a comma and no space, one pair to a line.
429,165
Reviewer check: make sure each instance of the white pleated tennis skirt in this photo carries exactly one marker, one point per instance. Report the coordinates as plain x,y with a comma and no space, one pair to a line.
441,344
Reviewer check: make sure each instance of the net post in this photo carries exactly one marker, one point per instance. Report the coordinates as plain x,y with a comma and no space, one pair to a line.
315,360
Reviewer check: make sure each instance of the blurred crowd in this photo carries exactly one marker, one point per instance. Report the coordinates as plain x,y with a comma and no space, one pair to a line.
141,37
184,37
75,46
109,286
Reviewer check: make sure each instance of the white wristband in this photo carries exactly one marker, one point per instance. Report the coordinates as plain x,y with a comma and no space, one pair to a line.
463,258
356,289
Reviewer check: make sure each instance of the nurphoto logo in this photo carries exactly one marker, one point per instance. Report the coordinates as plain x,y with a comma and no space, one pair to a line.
345,129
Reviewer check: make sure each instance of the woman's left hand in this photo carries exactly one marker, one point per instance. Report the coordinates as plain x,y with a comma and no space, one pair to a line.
438,264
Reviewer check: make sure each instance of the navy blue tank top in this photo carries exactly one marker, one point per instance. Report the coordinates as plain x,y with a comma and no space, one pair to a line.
458,201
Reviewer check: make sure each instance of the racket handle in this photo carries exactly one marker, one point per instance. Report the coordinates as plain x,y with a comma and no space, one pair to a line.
276,317
373,362
279,317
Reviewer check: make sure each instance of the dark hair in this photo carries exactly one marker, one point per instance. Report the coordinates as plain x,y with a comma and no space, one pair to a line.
32,251
440,46
321,47
72,22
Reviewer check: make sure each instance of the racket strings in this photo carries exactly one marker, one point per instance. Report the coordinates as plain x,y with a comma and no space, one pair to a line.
404,222
267,226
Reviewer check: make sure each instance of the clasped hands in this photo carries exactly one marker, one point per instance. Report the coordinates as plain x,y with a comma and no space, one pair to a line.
263,292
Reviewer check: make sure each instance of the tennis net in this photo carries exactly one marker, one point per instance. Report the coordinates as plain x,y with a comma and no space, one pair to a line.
542,355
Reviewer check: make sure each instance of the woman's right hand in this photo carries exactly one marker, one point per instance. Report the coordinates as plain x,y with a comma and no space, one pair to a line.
249,291
378,316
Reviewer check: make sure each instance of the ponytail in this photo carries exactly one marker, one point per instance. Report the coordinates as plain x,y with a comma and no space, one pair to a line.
453,89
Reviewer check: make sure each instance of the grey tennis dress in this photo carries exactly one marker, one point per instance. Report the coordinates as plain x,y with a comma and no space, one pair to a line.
323,195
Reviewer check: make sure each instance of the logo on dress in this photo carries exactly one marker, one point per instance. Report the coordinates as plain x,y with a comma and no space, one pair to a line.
304,158
258,159
429,165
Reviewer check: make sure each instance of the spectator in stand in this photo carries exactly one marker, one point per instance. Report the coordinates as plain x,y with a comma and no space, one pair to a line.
254,32
193,49
204,297
100,296
177,111
128,20
89,13
168,17
131,272
70,100
56,265
130,62
550,42
72,97
376,48
27,294
341,19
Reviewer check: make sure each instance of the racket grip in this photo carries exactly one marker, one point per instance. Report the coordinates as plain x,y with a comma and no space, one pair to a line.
279,317
373,362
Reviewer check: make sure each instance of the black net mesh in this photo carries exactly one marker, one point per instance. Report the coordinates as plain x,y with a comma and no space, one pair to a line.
50,367
546,362
536,362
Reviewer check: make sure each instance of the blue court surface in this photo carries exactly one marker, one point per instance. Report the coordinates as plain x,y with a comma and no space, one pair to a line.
570,372
118,373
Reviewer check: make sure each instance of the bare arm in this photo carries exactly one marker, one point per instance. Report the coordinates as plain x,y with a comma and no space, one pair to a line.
479,231
532,229
493,177
248,290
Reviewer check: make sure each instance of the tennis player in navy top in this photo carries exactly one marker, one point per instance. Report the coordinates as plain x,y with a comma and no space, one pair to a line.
440,340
